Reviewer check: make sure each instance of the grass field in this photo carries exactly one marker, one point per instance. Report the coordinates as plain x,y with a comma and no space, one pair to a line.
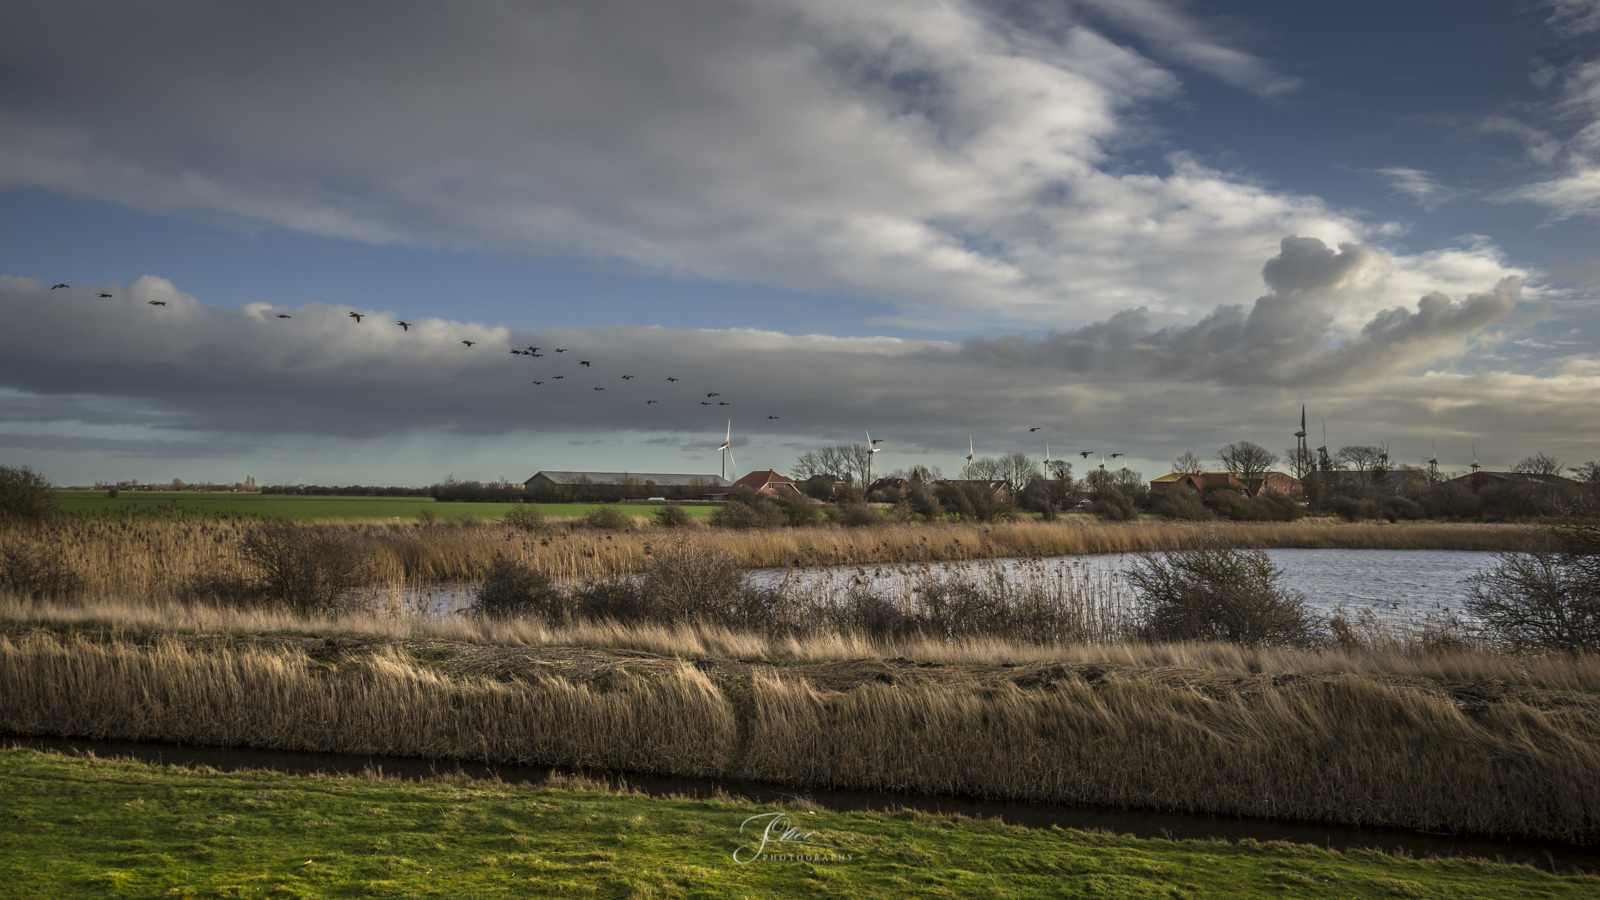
321,509
98,828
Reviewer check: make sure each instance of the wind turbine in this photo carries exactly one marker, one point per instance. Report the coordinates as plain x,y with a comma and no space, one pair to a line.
1300,448
872,449
1322,452
1475,467
968,476
727,451
1433,462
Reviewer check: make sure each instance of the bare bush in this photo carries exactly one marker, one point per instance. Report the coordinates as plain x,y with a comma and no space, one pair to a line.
26,498
511,589
1219,594
1546,597
608,518
525,516
673,516
747,515
692,582
35,569
305,567
1180,503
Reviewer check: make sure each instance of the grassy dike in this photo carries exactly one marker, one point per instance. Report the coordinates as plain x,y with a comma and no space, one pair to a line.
74,827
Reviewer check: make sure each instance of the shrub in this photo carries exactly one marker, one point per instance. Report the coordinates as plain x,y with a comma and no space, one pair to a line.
1272,506
607,518
1351,509
798,512
427,517
512,589
615,597
1116,506
1181,504
855,515
1219,594
1396,508
36,570
673,516
691,582
740,515
1547,597
26,498
525,516
305,567
924,503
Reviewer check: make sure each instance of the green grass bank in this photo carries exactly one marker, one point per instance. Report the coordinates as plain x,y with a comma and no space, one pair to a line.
221,505
77,827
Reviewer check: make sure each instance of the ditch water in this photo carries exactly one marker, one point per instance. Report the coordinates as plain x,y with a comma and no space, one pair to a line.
1550,856
1400,587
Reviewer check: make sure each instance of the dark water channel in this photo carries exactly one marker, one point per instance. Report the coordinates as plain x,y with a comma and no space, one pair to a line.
1555,857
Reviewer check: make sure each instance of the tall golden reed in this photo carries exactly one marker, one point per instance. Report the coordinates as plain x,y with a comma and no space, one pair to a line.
1343,749
156,559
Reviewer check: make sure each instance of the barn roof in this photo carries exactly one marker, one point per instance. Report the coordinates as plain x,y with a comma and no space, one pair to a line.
555,477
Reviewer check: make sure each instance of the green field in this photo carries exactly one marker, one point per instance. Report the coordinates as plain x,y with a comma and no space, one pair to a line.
110,828
324,509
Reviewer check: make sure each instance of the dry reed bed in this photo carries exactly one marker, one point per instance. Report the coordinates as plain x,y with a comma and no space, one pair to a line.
134,621
1340,748
155,559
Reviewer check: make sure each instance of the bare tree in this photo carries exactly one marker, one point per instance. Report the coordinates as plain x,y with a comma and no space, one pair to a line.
1538,464
1360,459
919,474
985,468
1017,469
1588,473
1247,460
1301,463
848,462
1187,463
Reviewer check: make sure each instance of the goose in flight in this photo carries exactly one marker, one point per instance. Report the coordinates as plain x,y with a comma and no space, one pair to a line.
626,377
107,296
468,343
1115,455
54,286
517,352
357,316
561,349
405,325
531,353
723,403
705,402
583,362
878,441
772,417
559,377
670,378
538,382
533,350
1036,428
156,302
713,394
283,316
599,389
1085,453
648,402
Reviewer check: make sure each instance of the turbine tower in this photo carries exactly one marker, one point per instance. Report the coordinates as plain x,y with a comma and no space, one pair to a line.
727,451
968,475
1433,462
872,450
1475,467
1301,451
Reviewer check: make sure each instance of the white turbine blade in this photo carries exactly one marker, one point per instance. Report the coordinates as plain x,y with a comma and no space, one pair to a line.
732,463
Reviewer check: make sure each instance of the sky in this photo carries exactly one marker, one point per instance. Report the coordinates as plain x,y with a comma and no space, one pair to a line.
1141,227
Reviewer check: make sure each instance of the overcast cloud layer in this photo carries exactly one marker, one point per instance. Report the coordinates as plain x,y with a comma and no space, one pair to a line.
959,160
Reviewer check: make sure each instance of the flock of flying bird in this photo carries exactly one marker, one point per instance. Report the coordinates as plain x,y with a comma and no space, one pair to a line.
529,352
534,352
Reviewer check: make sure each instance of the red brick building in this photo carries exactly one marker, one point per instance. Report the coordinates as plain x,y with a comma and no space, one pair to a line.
770,483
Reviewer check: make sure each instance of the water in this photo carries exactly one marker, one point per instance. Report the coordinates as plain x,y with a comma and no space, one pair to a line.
1548,855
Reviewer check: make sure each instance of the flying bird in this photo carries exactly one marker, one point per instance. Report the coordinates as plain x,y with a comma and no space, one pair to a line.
1036,428
583,362
538,382
670,378
772,417
626,377
1115,455
54,286
156,302
705,402
357,317
468,343
530,353
405,325
533,349
101,295
713,394
723,403
648,402
1085,453
561,349
283,315
559,377
599,389
878,441
517,352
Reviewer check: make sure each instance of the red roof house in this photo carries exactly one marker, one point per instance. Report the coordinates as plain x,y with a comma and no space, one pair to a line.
770,483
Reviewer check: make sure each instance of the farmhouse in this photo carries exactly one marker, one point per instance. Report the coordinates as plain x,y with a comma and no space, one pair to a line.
770,483
1475,482
1274,482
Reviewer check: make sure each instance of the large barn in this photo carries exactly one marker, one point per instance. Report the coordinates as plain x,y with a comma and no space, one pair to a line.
562,485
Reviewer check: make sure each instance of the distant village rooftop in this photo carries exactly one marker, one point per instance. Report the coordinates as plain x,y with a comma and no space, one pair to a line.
544,477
